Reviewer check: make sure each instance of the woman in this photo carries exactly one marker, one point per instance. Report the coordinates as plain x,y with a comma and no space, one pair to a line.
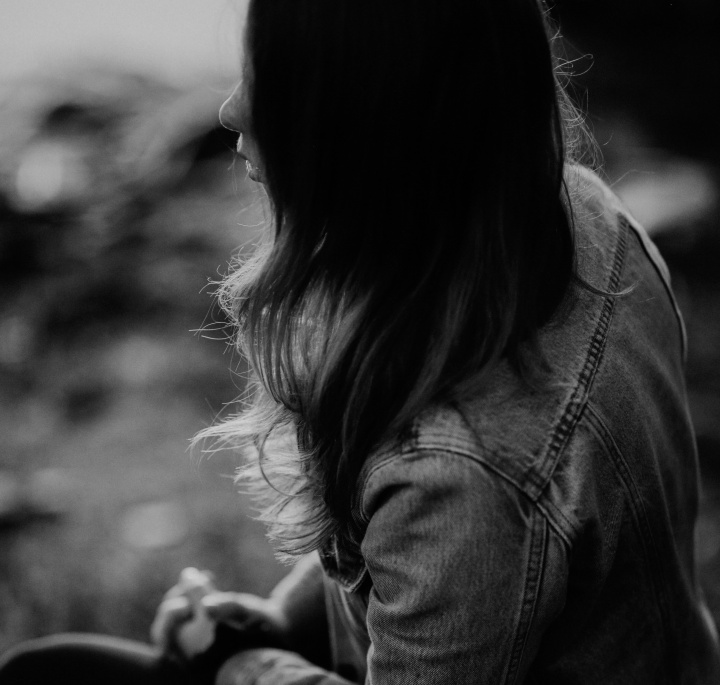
470,418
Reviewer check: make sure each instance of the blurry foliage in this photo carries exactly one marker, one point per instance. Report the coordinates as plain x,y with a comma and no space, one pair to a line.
119,205
116,205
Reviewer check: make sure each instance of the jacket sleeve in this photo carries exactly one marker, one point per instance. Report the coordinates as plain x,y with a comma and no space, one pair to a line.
466,573
466,576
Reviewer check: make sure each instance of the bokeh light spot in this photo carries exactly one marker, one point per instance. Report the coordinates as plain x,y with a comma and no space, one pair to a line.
154,525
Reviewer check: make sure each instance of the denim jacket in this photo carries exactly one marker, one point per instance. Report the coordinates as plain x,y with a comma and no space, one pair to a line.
536,535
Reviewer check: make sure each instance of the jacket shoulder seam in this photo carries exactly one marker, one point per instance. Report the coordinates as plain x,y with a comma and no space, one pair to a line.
565,426
655,258
564,532
531,592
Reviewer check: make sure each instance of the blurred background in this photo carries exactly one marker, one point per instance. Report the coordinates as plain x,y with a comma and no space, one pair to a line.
120,205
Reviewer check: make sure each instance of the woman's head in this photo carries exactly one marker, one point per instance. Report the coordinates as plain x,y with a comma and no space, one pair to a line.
413,154
345,97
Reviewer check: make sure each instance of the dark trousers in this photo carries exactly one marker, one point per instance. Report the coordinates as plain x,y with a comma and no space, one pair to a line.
78,659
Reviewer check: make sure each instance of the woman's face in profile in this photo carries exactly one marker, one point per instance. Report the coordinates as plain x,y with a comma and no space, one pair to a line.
235,115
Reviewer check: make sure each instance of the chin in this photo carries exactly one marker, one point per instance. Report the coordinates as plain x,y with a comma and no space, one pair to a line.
253,172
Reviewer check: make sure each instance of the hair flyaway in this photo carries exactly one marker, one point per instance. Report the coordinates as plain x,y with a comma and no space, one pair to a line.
413,154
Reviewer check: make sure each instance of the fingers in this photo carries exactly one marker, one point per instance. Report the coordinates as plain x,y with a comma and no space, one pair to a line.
171,614
179,605
190,579
249,614
195,596
233,607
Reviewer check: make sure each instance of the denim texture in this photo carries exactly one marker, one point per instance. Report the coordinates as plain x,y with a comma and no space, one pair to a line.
541,535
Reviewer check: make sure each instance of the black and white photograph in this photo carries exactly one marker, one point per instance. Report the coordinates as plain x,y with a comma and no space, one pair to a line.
356,342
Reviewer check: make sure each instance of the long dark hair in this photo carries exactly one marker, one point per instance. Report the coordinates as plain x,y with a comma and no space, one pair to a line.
413,155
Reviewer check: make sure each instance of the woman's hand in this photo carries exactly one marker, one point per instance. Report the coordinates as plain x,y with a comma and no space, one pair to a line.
260,621
182,626
186,623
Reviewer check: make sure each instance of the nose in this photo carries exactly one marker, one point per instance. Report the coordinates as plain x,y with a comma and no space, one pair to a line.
231,110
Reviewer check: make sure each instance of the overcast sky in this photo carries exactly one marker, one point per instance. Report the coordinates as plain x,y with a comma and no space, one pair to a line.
182,40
